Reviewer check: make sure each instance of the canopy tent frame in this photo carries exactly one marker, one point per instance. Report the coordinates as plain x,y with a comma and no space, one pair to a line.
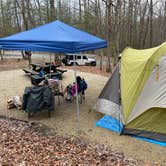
67,39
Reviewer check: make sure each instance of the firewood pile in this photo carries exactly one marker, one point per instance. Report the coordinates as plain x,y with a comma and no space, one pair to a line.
22,144
15,101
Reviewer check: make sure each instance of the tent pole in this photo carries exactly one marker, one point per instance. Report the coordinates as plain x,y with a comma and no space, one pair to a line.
77,104
119,124
50,65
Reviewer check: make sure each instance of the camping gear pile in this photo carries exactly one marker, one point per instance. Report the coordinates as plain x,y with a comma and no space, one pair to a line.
135,95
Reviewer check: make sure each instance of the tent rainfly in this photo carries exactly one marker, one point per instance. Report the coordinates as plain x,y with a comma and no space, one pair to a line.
135,95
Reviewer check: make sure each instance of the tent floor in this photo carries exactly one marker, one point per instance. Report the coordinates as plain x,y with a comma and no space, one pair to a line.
114,125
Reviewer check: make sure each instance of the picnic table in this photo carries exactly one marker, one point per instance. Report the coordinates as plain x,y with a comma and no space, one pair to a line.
50,70
47,67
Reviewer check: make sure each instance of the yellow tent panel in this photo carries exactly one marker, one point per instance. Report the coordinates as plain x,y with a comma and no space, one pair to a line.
136,66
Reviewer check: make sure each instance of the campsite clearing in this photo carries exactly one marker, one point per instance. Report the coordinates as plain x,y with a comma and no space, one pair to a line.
64,119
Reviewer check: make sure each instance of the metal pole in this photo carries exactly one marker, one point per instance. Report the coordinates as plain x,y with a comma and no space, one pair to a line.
1,55
77,104
50,66
119,123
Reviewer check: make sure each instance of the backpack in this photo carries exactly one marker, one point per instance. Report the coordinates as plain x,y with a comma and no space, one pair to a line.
83,85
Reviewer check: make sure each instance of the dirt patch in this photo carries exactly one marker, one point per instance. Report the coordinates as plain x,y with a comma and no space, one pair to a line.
90,69
12,64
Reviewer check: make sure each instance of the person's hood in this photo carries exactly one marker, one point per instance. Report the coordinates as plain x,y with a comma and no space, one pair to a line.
37,89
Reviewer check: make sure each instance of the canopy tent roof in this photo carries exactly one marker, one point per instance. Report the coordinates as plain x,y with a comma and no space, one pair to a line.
53,37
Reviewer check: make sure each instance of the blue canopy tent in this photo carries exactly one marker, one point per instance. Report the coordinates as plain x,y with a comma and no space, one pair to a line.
53,37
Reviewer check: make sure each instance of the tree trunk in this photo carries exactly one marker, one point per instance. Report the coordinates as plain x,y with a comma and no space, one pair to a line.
164,22
80,12
1,55
38,7
130,21
29,15
29,60
23,11
17,16
116,34
108,4
143,28
151,23
52,10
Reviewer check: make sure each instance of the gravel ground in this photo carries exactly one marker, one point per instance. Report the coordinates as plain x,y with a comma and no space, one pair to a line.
64,120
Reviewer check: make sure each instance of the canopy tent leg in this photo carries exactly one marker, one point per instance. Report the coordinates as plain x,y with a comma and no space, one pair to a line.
1,54
77,103
50,65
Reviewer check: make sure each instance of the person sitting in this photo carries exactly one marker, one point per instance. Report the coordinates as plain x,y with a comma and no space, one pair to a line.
36,98
71,89
69,92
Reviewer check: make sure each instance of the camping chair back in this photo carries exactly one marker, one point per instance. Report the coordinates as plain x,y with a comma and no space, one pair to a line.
56,87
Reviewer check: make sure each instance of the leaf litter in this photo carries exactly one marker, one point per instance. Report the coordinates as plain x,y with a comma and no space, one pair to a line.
24,143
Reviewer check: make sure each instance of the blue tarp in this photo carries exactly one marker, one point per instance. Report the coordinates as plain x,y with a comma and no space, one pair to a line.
110,123
151,141
114,125
53,37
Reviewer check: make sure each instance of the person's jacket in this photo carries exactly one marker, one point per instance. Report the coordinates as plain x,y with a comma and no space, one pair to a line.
36,98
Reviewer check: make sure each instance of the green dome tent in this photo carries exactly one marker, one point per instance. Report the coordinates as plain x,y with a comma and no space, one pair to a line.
135,95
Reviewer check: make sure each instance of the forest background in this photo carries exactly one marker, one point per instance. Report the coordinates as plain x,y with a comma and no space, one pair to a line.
136,23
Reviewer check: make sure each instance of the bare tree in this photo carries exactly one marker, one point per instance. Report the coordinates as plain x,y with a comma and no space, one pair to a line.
52,10
151,23
1,55
109,5
135,23
164,21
